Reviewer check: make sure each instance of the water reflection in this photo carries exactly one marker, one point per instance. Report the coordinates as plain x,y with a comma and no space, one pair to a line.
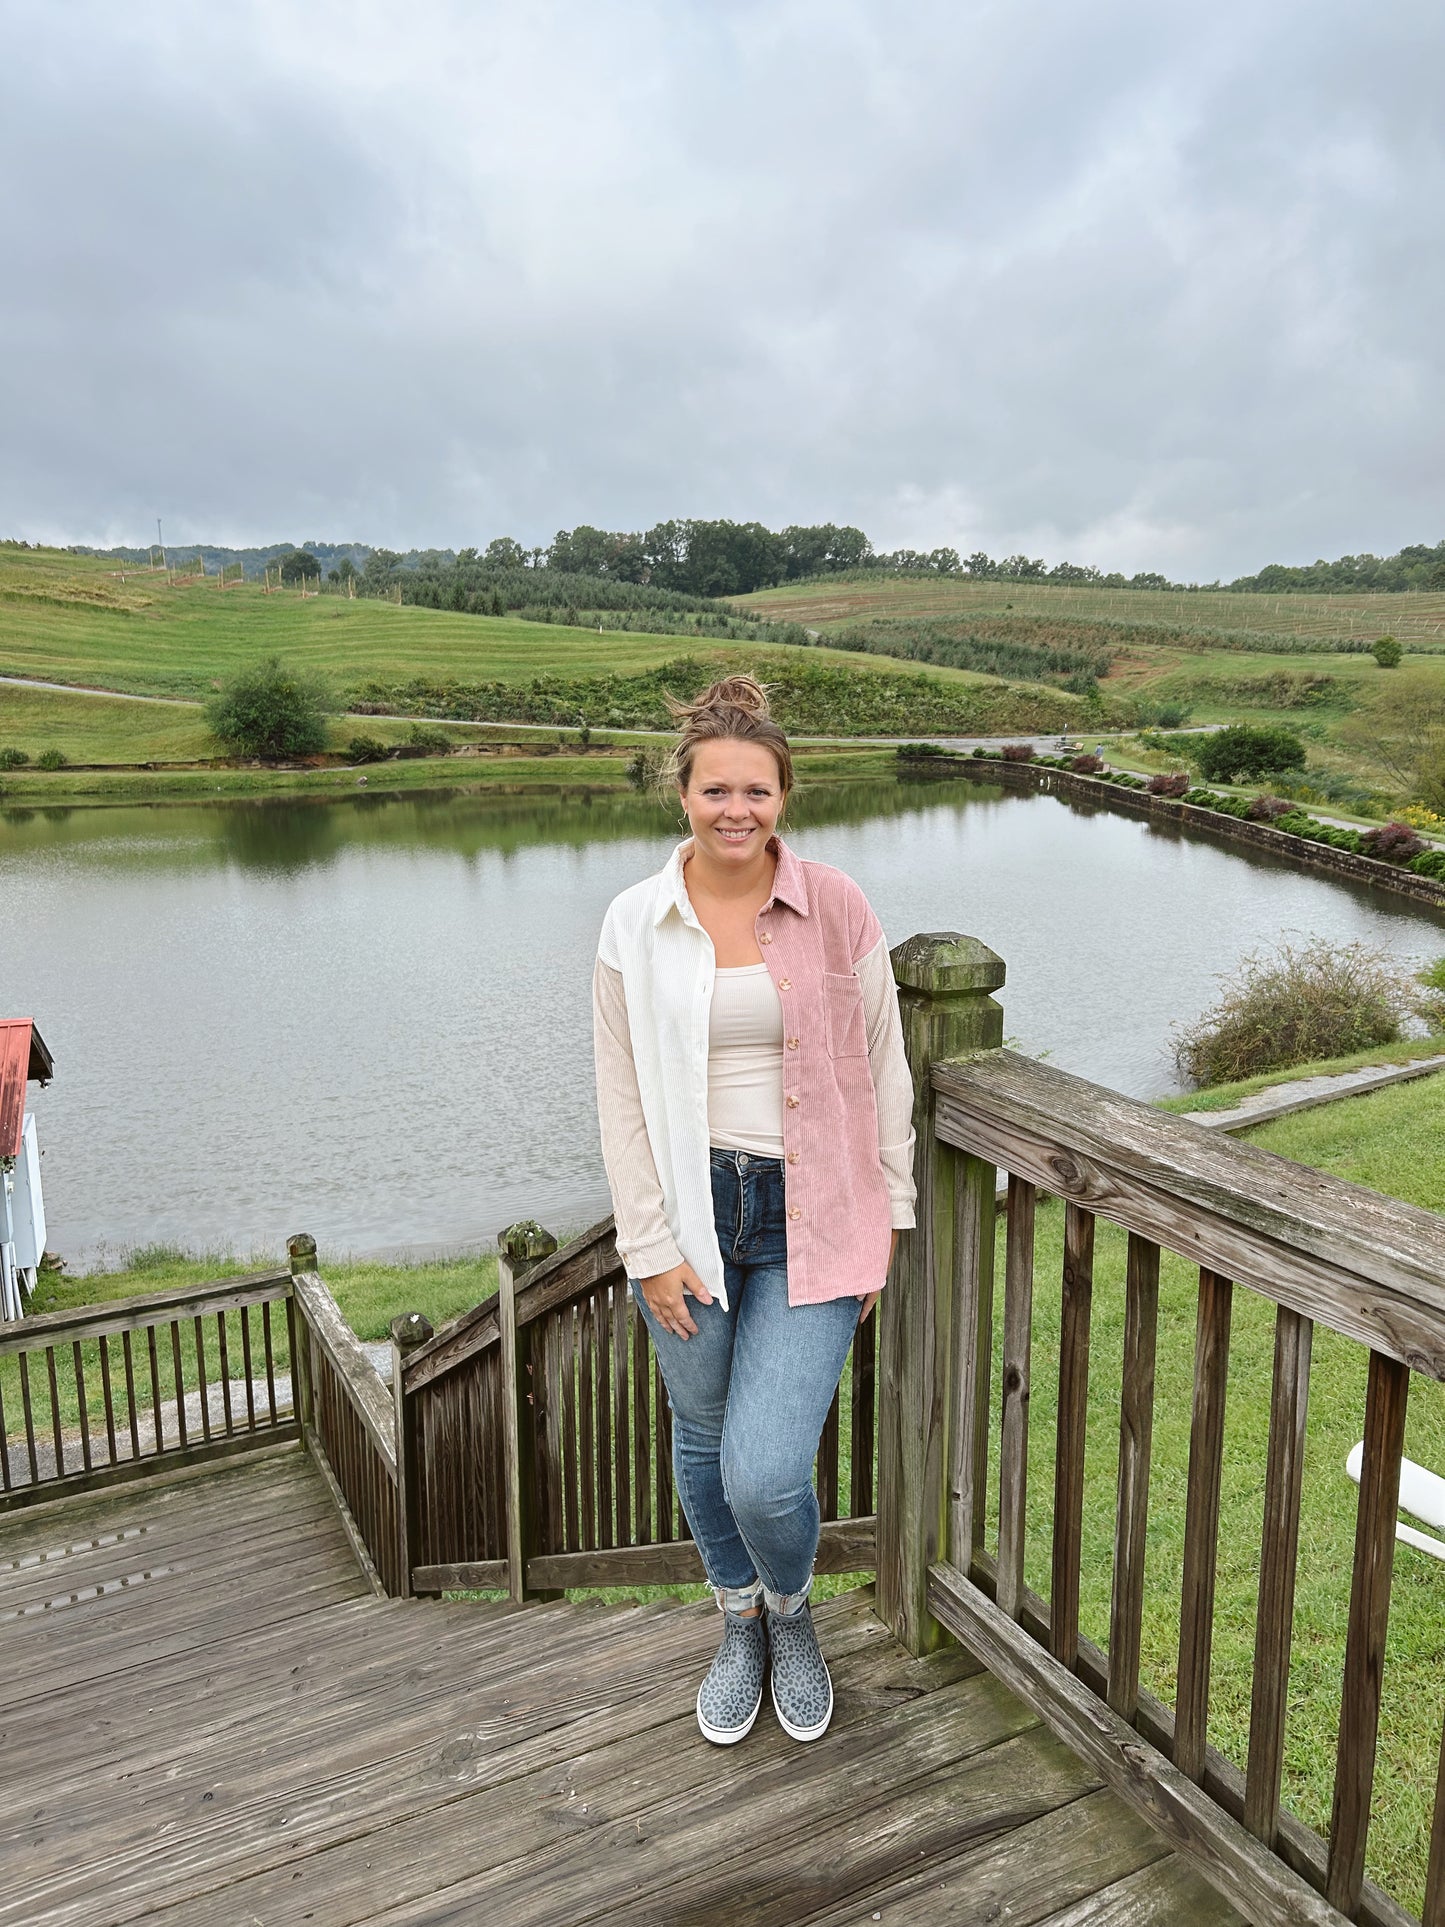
369,1017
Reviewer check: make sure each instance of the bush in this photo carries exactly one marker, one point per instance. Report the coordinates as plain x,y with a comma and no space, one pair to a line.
1168,785
643,767
1431,1005
1293,1004
1269,809
51,759
1018,752
1086,765
428,736
1432,864
908,751
1242,750
1415,814
271,712
1387,652
1393,843
14,758
365,749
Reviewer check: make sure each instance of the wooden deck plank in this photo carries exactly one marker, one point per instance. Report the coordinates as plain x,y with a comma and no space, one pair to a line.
1165,1894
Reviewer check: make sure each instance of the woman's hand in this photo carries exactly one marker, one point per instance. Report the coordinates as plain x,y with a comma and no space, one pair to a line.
872,1299
666,1295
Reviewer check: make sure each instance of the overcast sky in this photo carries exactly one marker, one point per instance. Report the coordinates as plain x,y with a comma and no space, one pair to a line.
1144,285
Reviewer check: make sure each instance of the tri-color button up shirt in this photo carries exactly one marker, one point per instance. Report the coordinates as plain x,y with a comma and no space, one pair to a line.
847,1092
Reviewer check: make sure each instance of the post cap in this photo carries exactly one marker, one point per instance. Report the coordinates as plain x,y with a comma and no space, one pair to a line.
413,1328
940,963
301,1249
526,1242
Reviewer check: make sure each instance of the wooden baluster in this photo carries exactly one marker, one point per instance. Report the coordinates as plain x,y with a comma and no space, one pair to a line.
132,1417
201,1385
301,1252
1201,1523
569,1426
1385,1399
935,1360
665,1526
1075,1314
248,1368
827,1466
268,1348
55,1432
864,1415
1289,1406
549,1351
621,1427
83,1405
1131,1511
603,1332
224,1367
28,1414
153,1354
1018,1312
178,1380
586,1389
4,1445
108,1398
641,1425
407,1333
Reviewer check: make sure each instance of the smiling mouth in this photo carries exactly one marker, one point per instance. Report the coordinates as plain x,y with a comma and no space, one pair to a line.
734,836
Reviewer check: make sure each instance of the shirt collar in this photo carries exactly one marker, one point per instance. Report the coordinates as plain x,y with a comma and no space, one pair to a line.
789,884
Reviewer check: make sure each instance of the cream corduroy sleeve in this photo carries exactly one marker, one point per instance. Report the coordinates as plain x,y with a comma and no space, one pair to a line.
644,1242
892,1081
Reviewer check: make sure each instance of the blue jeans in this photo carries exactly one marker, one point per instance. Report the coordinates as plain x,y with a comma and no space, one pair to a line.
750,1391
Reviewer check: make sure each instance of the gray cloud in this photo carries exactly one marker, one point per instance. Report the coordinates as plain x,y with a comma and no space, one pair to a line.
1135,285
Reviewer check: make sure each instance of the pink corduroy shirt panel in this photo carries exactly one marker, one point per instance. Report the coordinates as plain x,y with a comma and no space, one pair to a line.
812,931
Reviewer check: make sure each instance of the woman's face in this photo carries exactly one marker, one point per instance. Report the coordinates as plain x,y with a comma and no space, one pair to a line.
733,799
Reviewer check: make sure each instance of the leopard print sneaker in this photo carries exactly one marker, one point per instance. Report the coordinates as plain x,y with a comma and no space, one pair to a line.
729,1698
802,1690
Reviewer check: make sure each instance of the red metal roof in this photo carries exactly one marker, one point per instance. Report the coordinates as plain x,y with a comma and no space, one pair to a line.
23,1056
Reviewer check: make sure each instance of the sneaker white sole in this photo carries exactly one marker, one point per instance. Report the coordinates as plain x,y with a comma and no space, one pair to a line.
803,1732
729,1735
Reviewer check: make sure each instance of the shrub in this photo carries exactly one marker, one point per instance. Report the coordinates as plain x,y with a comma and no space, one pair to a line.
1086,765
643,767
1432,864
1295,1003
1018,752
908,751
428,736
51,759
1393,843
14,758
1387,652
1269,809
271,711
1415,814
1174,785
1242,750
365,749
1431,1004
981,754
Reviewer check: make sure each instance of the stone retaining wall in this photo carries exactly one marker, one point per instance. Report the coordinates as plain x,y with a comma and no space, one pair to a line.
1167,809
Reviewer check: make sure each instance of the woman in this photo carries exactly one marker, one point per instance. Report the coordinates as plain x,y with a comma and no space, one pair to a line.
756,1120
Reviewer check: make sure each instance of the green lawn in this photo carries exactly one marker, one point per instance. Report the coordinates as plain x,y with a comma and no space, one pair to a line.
1389,1141
1224,1097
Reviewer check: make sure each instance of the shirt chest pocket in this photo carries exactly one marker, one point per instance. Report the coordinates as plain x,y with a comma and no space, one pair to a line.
843,1010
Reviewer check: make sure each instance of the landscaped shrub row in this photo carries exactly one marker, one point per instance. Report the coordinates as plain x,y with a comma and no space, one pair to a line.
47,759
1394,843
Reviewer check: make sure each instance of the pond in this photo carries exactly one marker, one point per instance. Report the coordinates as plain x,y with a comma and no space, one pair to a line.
370,1018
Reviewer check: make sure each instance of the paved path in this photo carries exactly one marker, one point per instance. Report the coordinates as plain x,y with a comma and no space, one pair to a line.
1304,1093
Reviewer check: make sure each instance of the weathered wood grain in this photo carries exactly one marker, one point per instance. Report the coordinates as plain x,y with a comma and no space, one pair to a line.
1074,1322
1201,1522
1131,1511
1018,1312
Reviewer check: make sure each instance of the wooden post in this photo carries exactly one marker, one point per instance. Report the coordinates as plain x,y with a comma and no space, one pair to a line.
407,1332
937,1310
301,1249
519,1248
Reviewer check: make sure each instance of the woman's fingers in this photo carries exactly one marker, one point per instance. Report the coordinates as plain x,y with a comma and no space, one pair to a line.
691,1282
868,1303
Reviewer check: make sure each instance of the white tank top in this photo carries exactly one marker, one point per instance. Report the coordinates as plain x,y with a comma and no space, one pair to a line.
745,1063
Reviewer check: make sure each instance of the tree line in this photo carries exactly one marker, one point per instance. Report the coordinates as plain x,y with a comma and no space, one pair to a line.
705,560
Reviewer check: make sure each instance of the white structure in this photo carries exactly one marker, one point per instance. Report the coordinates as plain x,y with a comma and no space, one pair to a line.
23,1060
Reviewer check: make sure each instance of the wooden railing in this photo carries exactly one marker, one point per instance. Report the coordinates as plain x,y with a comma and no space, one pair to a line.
110,1392
537,1439
1321,1252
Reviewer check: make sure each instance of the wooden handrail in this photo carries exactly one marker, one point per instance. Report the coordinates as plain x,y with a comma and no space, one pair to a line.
1366,1266
358,1377
149,1308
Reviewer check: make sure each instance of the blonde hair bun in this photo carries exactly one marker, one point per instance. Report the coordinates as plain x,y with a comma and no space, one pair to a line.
734,707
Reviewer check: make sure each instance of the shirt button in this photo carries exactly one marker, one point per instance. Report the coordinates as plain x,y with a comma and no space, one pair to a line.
792,1157
792,1043
766,937
785,983
793,1103
795,1211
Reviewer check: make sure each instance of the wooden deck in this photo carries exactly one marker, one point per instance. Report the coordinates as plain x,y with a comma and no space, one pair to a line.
209,1718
